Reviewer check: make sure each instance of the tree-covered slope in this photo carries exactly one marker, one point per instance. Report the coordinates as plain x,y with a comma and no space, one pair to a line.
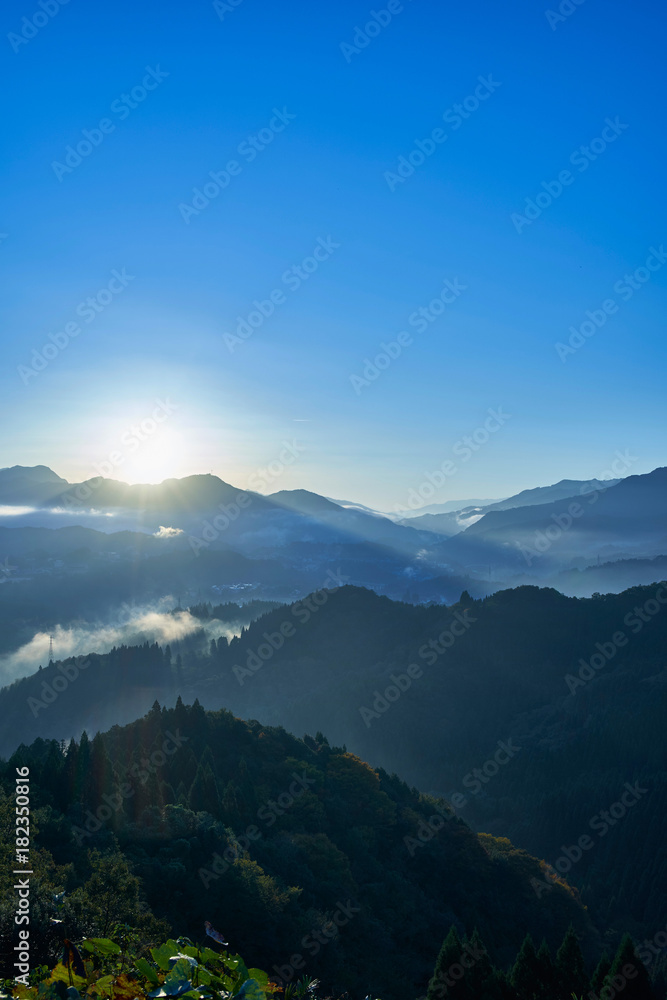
576,685
293,848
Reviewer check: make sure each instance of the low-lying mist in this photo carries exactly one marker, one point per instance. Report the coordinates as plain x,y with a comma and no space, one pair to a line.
128,625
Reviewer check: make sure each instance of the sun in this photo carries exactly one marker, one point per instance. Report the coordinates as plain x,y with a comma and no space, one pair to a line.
152,458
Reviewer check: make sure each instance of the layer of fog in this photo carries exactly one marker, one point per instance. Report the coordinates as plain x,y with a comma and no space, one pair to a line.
131,626
60,517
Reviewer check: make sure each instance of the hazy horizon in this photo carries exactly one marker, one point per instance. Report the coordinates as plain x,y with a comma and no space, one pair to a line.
263,475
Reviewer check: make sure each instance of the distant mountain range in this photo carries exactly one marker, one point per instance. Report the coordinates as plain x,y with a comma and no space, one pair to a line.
83,550
421,644
456,519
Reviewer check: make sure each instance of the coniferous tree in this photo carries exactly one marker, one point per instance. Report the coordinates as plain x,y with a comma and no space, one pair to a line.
570,968
203,796
482,980
180,712
449,959
600,974
100,774
82,773
628,973
525,976
547,973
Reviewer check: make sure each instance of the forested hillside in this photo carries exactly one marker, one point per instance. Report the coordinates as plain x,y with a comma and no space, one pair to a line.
275,840
540,717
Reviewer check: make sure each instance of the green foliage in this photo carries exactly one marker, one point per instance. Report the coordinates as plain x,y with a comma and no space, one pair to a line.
585,742
628,974
117,969
570,969
525,977
315,854
464,971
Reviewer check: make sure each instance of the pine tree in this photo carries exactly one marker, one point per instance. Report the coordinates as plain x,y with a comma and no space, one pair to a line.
547,974
482,981
99,778
600,974
570,969
525,976
628,973
180,713
442,982
204,796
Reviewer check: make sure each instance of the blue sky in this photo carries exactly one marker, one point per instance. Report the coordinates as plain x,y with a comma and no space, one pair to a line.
218,78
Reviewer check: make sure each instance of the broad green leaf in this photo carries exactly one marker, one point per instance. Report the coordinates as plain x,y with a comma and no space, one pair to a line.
190,950
208,955
103,987
251,990
162,955
147,970
178,981
103,946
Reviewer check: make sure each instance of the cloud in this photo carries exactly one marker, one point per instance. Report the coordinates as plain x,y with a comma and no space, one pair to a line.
167,532
133,625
